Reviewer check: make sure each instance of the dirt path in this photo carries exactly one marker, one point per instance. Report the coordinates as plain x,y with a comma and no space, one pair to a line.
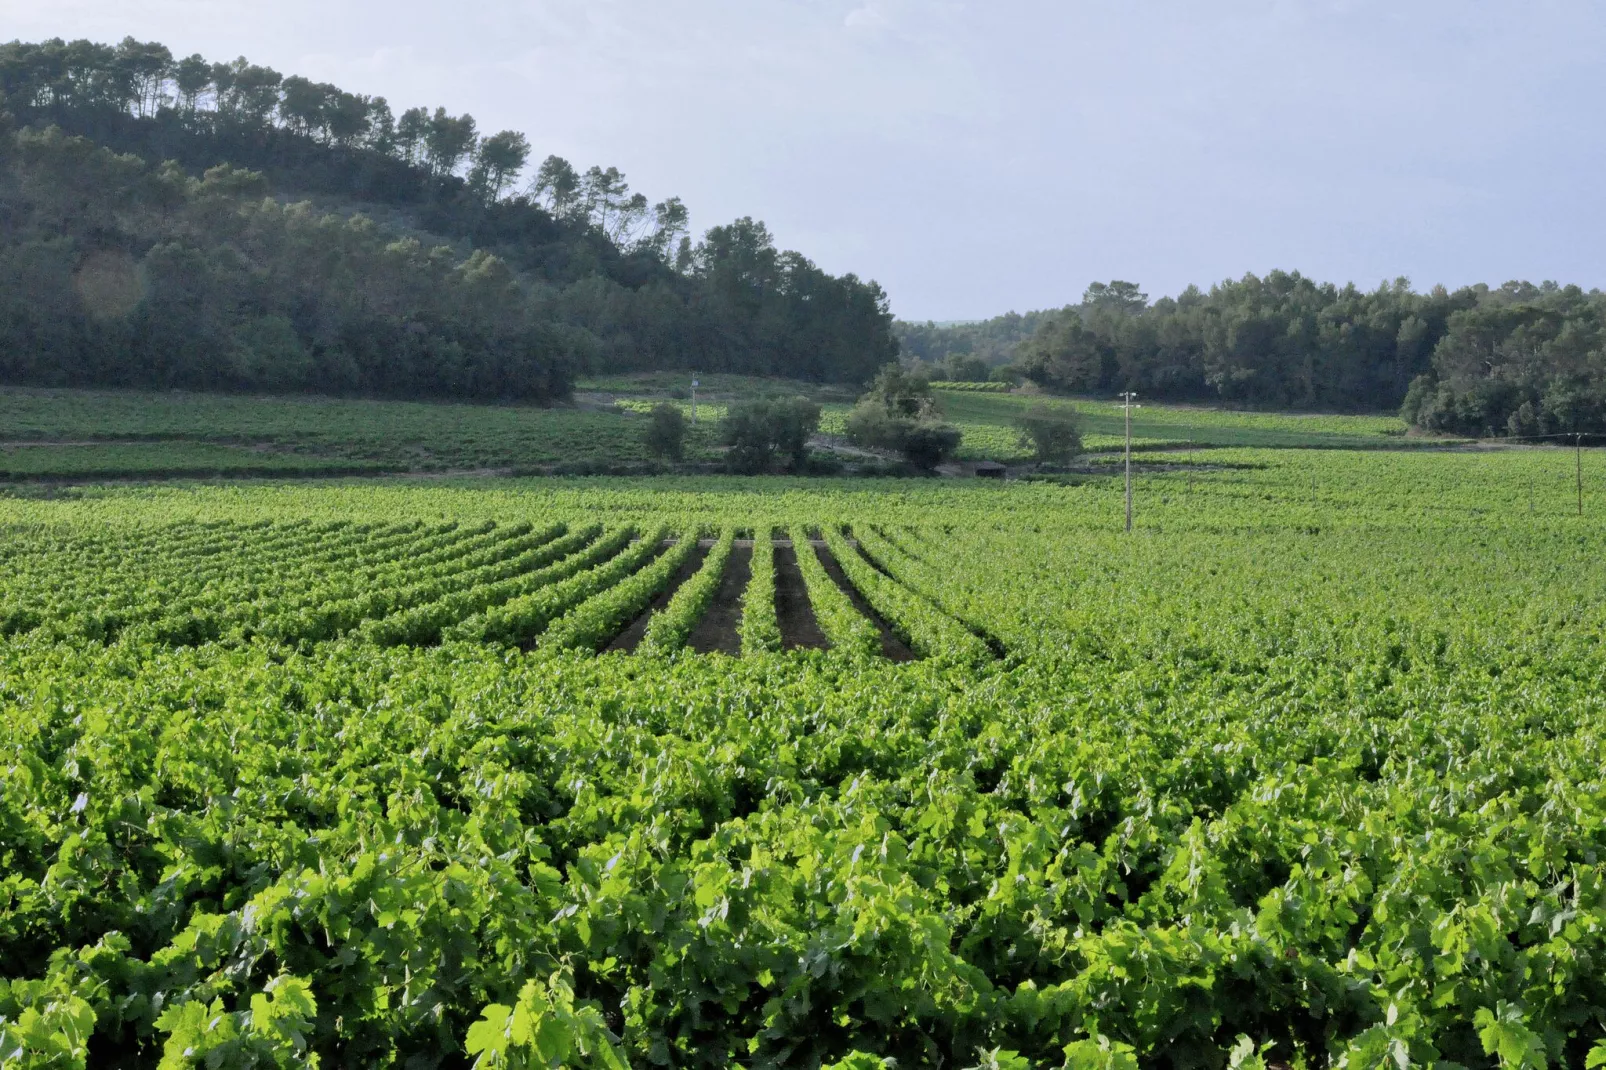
892,647
799,628
720,629
631,637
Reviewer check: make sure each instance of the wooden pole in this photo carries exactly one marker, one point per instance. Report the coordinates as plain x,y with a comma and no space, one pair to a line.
1578,468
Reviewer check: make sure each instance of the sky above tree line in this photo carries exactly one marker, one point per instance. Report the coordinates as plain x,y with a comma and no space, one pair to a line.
981,157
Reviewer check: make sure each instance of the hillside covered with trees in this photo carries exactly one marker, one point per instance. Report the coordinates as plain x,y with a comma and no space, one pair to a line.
175,222
991,342
1517,360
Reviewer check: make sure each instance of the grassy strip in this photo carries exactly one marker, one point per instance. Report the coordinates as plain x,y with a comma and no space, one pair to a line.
932,633
668,629
423,625
761,631
522,619
850,633
596,620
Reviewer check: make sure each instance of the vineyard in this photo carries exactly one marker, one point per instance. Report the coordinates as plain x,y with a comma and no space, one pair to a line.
80,435
1305,772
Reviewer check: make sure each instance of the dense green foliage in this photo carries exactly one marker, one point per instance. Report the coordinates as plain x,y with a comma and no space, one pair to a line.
1522,362
1050,431
117,274
1519,360
1239,787
665,435
902,413
991,342
767,433
138,248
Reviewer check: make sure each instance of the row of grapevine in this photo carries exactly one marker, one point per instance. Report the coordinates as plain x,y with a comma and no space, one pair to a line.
270,579
107,564
932,633
279,587
521,619
422,625
172,582
593,622
912,572
404,584
500,560
669,627
851,635
760,630
202,607
971,388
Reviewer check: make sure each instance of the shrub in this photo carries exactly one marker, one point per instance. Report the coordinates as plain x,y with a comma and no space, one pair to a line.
794,422
927,444
666,432
760,433
1051,432
903,393
923,443
900,413
871,426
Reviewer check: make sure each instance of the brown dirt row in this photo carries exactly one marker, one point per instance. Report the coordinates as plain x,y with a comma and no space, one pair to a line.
720,629
799,628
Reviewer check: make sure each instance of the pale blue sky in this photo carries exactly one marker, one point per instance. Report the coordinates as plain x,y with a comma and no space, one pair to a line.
979,157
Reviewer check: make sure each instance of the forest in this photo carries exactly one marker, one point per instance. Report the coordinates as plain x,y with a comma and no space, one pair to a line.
1518,360
988,342
174,222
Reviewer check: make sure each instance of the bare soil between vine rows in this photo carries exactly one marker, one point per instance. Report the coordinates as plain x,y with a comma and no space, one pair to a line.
719,632
893,648
799,628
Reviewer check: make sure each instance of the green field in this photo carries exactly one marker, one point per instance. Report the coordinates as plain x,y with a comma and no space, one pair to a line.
121,460
1304,772
987,420
396,436
80,434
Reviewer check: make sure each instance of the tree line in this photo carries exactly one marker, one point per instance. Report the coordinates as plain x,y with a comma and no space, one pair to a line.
967,351
1517,360
591,275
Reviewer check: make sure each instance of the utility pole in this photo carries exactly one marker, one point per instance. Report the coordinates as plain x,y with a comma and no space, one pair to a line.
1127,397
1578,468
694,402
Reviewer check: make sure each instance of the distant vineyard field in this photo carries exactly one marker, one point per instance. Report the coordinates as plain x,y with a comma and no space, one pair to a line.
966,387
89,434
1306,771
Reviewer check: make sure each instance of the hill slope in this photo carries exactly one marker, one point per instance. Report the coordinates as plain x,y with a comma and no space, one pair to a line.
151,235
